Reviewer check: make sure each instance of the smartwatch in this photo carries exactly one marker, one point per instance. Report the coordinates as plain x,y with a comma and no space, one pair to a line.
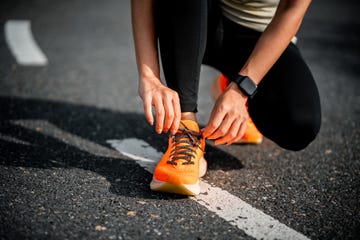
245,84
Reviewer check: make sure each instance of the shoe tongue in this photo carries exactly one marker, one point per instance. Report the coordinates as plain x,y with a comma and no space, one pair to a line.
191,125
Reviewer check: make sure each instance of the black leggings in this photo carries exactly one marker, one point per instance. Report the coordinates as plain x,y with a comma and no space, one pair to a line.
286,108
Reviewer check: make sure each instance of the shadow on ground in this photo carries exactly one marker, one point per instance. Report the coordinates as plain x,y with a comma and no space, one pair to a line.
90,123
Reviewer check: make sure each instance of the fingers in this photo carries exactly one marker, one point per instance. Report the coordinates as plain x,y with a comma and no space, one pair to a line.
159,113
215,121
228,119
241,132
235,133
165,102
148,111
167,111
231,134
222,129
172,113
177,115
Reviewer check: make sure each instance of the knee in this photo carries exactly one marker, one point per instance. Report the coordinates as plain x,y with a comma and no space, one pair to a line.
300,132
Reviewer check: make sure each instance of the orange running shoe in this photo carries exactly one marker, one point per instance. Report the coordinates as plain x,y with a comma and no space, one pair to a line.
183,163
252,134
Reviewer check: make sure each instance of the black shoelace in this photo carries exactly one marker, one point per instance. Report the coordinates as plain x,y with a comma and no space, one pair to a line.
184,142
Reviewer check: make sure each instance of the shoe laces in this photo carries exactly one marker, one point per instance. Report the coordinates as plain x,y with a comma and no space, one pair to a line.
185,141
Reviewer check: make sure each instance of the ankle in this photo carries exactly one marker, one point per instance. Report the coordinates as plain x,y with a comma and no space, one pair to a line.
188,116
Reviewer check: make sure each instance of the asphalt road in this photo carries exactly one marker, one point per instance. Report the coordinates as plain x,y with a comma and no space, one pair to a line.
56,119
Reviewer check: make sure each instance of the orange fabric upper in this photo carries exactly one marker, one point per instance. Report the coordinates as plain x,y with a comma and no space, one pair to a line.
180,173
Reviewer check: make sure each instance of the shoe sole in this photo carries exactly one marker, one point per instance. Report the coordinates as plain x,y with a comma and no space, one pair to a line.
183,189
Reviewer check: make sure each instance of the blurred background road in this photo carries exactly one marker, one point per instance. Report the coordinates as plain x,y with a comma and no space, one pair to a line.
61,179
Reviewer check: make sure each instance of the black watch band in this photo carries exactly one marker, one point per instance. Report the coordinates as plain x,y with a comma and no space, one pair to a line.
245,84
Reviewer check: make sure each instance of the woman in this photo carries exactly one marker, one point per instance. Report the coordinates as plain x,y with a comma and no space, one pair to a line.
252,44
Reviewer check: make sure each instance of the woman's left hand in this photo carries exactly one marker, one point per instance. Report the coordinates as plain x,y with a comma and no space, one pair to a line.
228,118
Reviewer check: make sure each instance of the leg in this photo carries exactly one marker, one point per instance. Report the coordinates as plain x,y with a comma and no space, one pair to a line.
181,29
286,108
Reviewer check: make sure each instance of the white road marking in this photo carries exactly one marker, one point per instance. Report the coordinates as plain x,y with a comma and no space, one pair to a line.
227,206
22,45
145,155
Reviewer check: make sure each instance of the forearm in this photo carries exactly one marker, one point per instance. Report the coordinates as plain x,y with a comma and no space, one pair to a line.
142,12
275,38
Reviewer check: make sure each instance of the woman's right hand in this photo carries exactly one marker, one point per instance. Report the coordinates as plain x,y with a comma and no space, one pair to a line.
166,103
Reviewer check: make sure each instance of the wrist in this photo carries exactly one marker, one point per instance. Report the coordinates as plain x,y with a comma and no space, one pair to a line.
148,74
149,80
148,84
234,87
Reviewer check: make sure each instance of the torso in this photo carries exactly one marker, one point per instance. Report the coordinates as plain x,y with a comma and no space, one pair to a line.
254,14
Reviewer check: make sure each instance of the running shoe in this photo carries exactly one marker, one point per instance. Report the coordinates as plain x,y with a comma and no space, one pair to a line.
183,163
252,134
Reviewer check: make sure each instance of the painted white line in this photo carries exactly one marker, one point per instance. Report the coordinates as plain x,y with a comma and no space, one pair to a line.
241,214
227,206
138,150
22,45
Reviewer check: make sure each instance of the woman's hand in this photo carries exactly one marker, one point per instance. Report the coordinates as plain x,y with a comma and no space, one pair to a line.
228,118
151,90
166,103
153,93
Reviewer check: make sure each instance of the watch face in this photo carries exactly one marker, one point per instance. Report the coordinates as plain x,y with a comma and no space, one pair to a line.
246,85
